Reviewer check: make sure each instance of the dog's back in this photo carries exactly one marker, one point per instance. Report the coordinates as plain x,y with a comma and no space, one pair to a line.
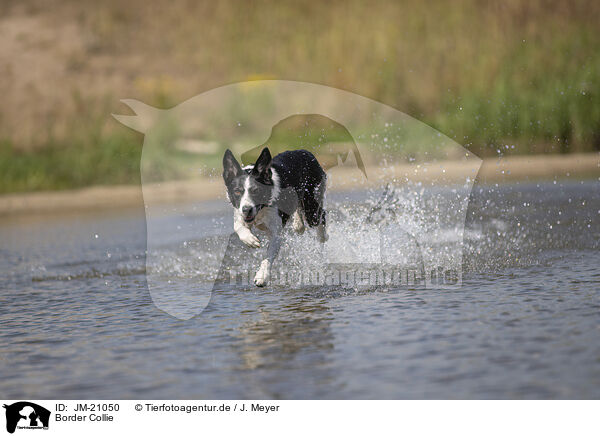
300,170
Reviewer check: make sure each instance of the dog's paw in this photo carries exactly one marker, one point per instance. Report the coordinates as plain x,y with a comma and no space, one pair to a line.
260,281
249,239
262,276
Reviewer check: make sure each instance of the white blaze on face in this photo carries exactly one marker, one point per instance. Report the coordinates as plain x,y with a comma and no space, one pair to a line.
246,200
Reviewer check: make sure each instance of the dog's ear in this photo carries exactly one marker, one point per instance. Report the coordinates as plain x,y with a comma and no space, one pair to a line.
231,167
262,163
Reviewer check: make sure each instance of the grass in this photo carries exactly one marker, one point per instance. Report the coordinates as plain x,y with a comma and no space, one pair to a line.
115,161
499,77
537,104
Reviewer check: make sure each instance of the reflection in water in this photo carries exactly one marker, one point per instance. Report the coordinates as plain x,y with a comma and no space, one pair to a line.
279,345
280,335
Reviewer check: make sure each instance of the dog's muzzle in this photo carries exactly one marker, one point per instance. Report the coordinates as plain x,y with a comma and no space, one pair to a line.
249,213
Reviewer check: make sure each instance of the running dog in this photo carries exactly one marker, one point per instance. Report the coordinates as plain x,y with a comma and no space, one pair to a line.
266,194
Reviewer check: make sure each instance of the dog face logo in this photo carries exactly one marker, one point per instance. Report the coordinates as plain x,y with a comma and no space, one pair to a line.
26,415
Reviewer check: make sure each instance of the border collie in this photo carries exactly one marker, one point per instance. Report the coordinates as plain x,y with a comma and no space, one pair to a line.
266,194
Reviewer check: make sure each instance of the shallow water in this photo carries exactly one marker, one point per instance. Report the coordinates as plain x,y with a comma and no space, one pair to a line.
77,319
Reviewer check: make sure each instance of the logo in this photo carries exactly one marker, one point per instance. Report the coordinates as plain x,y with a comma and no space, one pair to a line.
26,415
398,216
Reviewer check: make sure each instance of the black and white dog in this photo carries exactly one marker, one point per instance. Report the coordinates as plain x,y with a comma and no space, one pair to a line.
266,194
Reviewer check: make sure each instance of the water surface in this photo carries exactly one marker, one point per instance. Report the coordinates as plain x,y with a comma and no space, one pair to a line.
77,319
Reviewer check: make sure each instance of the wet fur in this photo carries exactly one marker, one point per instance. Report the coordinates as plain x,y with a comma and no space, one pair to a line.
265,195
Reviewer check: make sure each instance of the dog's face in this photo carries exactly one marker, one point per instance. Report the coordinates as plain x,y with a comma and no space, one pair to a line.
249,189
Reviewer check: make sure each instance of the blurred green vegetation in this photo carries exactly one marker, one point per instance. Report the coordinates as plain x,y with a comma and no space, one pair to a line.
498,77
537,102
113,159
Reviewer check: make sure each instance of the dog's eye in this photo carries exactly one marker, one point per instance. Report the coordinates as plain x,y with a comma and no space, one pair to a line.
237,192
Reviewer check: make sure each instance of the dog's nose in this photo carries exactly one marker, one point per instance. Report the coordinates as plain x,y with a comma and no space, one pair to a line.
246,210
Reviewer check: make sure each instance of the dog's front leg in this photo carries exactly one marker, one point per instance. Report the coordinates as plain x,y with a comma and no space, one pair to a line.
245,234
274,230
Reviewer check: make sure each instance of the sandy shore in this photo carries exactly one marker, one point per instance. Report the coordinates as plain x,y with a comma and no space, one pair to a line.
504,170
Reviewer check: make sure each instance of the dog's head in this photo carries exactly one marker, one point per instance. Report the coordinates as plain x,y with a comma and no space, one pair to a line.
251,188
